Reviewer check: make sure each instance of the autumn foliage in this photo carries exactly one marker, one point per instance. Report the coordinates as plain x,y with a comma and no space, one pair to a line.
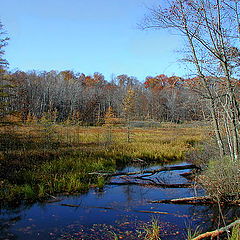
160,82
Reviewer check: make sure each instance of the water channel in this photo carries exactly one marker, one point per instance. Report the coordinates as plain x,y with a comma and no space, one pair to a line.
116,210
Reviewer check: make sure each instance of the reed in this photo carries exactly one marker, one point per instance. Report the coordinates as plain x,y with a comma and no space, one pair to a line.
151,230
40,159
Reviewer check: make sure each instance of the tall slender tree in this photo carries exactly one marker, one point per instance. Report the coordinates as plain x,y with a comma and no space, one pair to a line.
211,30
4,86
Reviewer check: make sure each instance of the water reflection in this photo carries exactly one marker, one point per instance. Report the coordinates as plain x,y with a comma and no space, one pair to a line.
120,210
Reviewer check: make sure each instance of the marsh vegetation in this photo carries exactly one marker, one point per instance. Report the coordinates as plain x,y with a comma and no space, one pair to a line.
40,160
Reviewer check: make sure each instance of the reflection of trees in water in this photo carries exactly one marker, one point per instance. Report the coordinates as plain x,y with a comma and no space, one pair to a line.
200,216
5,227
121,167
135,195
232,212
12,209
100,193
211,217
11,214
129,192
206,217
228,212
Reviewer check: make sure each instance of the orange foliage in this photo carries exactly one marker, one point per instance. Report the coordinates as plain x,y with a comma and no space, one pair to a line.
97,79
110,118
68,75
161,81
220,82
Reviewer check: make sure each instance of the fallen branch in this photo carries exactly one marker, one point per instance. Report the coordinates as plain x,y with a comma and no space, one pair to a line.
146,179
187,175
156,212
138,160
69,205
151,172
107,208
195,201
217,232
52,201
188,200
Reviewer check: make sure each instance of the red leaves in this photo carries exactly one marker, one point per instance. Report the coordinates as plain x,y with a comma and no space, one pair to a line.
219,82
161,81
96,79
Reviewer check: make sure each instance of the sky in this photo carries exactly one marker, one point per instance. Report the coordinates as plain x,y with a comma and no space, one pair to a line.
88,36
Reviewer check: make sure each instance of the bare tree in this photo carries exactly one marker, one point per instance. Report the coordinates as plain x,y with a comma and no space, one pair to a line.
5,87
211,42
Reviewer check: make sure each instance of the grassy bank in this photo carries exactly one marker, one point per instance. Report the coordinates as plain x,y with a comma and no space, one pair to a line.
38,160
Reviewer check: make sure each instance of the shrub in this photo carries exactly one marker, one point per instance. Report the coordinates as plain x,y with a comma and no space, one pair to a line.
202,153
235,233
221,180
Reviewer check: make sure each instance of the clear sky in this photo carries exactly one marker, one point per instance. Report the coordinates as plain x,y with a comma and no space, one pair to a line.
87,36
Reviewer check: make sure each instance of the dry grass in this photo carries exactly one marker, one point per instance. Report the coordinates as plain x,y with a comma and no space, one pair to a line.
41,159
151,230
155,144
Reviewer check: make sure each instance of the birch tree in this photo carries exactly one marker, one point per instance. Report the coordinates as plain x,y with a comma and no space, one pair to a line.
212,38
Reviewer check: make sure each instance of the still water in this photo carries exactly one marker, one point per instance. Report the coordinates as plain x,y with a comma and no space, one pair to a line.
116,210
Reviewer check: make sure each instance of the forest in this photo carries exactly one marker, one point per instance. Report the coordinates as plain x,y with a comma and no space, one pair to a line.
62,96
66,136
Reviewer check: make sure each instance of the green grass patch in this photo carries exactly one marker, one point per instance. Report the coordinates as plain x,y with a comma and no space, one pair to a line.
38,160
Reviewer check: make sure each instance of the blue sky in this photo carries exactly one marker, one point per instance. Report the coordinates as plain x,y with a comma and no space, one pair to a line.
87,36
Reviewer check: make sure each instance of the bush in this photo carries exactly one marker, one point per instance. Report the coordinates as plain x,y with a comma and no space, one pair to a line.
202,153
221,180
235,233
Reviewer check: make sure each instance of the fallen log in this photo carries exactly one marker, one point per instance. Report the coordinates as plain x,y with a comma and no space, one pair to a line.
187,175
151,172
204,200
157,212
147,179
216,232
146,211
182,185
107,208
52,201
69,205
189,200
138,160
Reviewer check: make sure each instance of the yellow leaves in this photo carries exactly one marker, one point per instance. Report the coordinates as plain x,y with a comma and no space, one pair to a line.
129,103
110,118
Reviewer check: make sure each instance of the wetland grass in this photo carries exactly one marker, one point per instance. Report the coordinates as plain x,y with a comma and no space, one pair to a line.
151,231
38,160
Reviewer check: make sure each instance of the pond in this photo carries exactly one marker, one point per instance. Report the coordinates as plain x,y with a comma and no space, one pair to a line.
116,210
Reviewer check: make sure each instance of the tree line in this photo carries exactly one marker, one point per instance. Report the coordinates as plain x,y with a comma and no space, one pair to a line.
65,95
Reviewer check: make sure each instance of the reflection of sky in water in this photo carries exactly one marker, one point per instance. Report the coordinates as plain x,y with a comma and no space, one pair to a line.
117,205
